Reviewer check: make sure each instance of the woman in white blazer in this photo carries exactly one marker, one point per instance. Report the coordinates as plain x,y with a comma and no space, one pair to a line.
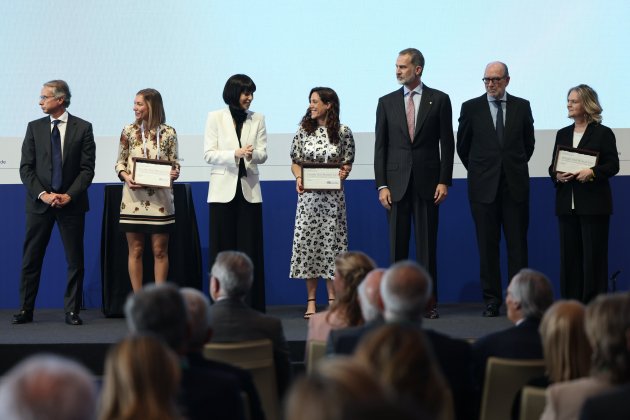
235,142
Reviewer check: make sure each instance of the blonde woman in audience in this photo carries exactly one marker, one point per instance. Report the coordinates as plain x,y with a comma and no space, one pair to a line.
606,321
566,349
402,360
141,381
340,389
350,270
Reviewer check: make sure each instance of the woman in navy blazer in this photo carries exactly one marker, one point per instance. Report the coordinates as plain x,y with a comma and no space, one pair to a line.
584,199
235,142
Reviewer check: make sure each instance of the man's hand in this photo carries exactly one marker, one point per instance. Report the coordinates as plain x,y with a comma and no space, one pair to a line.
62,200
441,191
384,196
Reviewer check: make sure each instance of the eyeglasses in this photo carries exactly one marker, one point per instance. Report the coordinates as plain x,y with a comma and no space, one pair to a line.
43,98
487,80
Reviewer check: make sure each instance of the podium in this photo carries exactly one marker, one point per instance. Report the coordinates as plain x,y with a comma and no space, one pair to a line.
184,250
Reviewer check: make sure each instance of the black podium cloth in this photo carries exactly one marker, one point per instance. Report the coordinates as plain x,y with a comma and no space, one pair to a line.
184,250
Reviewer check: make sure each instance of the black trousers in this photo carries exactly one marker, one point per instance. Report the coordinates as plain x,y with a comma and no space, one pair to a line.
425,216
511,215
38,230
237,226
583,256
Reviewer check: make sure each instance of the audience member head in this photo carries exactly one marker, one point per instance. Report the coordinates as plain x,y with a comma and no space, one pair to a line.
159,310
405,289
231,276
198,309
528,295
565,346
607,326
370,295
402,359
141,381
350,269
338,389
47,387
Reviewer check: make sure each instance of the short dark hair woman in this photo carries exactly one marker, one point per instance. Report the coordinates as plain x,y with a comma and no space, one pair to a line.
235,143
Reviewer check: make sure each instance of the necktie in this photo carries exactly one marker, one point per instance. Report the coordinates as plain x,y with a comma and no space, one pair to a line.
411,115
499,126
55,140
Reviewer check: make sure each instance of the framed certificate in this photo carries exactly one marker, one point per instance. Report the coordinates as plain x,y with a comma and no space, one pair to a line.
570,159
321,176
152,172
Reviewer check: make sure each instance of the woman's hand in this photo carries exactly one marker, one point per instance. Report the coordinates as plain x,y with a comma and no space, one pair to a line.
563,177
585,175
244,152
298,185
174,173
130,182
344,171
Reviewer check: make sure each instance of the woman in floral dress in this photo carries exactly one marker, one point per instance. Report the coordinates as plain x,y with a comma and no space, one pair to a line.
147,210
321,230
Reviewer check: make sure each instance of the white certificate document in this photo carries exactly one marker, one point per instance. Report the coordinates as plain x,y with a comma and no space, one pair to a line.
152,173
324,177
574,160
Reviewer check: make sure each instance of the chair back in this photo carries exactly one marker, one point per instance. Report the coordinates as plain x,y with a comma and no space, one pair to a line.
533,402
255,356
316,351
504,378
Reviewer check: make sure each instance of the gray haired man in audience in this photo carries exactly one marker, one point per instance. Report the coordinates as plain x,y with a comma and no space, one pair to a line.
344,340
528,297
232,320
159,310
406,290
198,307
48,387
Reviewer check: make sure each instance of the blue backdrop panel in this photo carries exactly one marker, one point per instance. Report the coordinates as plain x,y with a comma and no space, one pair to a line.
457,252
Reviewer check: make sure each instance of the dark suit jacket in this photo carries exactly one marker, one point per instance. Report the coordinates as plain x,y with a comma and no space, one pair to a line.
232,320
243,378
453,355
394,153
594,197
611,405
479,149
518,342
79,153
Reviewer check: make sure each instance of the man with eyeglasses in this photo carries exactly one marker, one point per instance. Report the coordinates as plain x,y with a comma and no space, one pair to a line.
57,167
495,141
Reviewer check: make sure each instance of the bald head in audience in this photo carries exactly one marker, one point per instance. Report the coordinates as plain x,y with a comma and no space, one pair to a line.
370,295
48,387
405,290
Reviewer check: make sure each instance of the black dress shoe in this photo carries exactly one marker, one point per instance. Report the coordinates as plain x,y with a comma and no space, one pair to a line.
73,319
491,310
432,313
22,317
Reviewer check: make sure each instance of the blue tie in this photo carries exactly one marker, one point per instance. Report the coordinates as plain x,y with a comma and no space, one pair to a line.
499,126
55,140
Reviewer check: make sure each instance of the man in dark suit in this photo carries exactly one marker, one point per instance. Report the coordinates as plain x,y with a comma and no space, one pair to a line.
495,141
57,167
231,320
413,162
405,290
205,390
529,295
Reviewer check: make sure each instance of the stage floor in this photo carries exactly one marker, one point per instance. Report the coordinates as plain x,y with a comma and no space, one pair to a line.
89,342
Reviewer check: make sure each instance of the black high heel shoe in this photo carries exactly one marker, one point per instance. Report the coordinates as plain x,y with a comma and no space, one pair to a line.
307,314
